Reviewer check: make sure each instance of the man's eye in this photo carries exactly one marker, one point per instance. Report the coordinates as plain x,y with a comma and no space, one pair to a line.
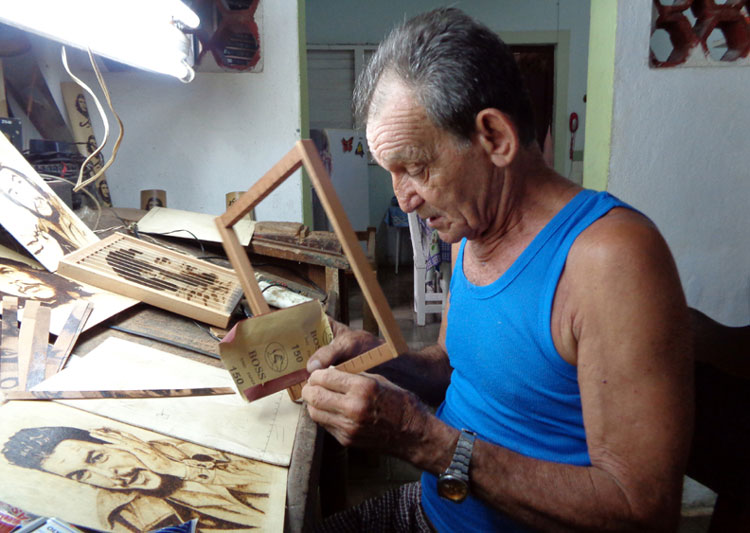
78,475
415,172
94,457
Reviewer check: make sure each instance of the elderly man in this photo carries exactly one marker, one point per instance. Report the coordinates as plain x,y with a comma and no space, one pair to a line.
563,363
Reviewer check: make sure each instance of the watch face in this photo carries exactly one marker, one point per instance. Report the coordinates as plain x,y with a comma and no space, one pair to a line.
452,488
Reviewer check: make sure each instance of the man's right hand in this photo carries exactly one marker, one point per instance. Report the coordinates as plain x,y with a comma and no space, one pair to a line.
347,343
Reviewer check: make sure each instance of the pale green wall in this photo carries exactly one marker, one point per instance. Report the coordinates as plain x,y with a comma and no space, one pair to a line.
307,216
600,93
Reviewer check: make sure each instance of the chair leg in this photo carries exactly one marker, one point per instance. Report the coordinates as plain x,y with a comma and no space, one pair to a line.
419,295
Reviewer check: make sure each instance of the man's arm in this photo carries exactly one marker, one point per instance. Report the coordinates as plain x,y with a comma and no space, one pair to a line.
626,327
628,334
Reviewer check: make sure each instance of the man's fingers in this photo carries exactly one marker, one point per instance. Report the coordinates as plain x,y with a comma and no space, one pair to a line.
334,423
324,357
339,381
346,344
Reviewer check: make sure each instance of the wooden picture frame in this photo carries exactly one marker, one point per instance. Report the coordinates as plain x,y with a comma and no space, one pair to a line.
304,153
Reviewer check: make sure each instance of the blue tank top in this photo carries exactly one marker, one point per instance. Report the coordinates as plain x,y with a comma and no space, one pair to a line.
509,383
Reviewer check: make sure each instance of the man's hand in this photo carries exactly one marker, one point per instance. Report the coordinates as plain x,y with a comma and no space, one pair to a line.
367,411
347,343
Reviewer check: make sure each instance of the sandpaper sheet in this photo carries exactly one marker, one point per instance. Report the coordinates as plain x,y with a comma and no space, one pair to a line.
268,353
262,430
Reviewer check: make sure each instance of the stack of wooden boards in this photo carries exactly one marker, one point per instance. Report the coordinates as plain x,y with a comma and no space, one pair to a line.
26,358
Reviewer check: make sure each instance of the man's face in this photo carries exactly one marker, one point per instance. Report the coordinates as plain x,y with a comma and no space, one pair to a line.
19,283
444,182
25,194
101,465
81,105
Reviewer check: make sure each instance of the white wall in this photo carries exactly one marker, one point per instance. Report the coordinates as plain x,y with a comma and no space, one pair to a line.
346,22
680,154
218,134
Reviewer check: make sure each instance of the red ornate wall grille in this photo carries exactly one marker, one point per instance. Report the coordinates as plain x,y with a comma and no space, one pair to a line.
700,33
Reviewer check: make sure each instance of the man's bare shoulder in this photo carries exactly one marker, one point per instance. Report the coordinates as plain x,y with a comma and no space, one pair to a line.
622,240
620,270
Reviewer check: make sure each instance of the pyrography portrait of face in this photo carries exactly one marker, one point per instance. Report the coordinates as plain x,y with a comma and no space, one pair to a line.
22,192
23,281
91,144
145,483
38,218
153,202
81,105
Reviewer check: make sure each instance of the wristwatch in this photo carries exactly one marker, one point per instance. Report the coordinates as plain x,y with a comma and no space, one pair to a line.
453,484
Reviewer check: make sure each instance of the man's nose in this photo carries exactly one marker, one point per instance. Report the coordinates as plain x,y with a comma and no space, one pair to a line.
406,194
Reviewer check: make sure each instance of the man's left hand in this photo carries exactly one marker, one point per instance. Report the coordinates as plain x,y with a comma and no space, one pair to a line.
366,410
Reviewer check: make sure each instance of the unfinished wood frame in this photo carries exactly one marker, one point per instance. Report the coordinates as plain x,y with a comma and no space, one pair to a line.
305,154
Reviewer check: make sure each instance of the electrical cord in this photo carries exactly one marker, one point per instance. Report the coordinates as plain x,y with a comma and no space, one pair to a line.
81,183
97,205
207,331
203,250
277,284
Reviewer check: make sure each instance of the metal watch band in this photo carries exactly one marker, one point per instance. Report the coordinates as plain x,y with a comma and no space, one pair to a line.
459,467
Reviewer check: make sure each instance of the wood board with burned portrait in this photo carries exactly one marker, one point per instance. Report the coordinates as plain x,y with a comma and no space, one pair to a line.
36,217
262,430
91,471
19,277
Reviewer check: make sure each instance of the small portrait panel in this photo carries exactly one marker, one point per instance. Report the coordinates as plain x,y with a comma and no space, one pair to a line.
38,218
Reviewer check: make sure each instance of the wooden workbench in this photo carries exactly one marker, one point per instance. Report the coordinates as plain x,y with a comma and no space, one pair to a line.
161,330
185,337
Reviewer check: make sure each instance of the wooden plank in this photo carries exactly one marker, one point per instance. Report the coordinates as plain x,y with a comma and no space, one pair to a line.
39,347
26,341
119,394
293,252
58,353
9,347
153,274
262,430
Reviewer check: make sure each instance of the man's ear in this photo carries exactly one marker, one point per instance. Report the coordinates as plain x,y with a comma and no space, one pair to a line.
497,135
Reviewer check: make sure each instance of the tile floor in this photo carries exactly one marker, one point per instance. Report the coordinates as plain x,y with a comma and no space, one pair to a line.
369,474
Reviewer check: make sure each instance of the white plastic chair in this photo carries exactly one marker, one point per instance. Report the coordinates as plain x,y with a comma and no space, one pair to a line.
426,299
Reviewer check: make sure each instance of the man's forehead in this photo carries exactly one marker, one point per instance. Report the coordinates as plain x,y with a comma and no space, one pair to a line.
399,128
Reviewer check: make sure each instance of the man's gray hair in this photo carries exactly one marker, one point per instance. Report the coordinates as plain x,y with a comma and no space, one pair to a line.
455,66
